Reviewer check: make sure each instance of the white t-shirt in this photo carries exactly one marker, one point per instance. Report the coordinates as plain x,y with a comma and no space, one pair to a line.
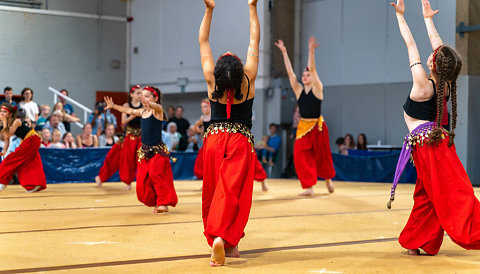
31,108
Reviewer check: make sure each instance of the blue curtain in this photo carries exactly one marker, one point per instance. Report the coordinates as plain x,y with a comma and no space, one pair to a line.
371,167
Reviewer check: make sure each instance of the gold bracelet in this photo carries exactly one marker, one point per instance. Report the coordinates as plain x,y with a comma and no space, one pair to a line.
435,35
253,55
250,49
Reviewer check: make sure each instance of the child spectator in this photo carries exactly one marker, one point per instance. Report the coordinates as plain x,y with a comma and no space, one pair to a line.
56,140
69,141
42,120
45,136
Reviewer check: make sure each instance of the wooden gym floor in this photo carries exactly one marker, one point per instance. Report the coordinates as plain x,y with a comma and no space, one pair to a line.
77,228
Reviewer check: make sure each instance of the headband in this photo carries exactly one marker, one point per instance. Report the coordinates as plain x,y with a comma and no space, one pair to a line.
229,54
435,58
5,108
152,90
14,109
133,88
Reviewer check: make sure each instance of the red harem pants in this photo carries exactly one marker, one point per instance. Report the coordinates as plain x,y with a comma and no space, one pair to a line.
227,186
111,163
198,168
313,158
25,161
129,158
260,174
443,200
155,182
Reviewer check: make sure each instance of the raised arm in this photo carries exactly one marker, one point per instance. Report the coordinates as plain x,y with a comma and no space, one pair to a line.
208,65
6,134
157,110
127,110
317,84
420,78
251,66
428,14
296,86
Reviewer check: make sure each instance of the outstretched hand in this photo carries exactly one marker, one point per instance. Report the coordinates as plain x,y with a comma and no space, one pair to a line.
210,3
312,43
280,45
428,12
109,102
252,2
399,7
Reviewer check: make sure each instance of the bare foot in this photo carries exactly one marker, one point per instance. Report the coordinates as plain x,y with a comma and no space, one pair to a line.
218,252
413,252
98,181
2,187
330,186
160,209
128,187
232,252
35,189
307,192
264,186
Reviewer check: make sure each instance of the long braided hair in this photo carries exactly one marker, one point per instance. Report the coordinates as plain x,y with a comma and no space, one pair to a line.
447,65
228,74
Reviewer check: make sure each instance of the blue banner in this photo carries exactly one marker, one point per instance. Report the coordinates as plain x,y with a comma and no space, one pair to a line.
82,165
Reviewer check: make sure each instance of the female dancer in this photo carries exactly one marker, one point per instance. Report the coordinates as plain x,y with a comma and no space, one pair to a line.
229,158
25,160
444,197
123,154
154,178
312,144
201,126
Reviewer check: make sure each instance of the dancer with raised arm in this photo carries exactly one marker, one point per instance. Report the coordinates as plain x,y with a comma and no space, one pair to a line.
444,199
229,158
312,156
25,161
121,156
154,176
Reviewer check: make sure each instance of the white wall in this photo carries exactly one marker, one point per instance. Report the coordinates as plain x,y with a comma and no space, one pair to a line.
39,51
360,42
166,35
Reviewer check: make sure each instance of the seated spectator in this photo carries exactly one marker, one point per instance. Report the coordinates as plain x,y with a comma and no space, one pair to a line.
99,118
342,149
30,107
42,120
45,137
68,140
8,93
66,117
55,123
56,140
108,138
181,123
361,142
349,141
67,108
193,141
271,145
172,138
87,138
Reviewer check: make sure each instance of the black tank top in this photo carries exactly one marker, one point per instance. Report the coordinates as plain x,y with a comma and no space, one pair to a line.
22,130
241,113
135,123
206,125
151,131
309,105
426,110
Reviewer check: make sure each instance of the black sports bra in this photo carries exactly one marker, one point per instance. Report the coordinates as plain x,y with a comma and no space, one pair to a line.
426,110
